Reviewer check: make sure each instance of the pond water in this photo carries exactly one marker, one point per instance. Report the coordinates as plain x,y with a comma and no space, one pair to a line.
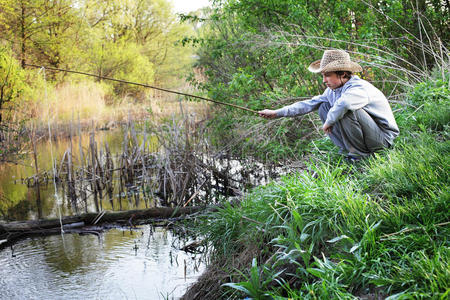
20,202
119,264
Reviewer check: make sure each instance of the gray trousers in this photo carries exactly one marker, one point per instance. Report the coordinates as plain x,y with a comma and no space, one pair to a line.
356,133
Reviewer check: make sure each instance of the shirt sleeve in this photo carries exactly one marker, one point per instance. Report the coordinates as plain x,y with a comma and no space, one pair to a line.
352,99
302,107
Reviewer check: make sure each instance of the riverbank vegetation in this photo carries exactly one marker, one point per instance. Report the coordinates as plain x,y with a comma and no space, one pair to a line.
375,230
339,231
255,53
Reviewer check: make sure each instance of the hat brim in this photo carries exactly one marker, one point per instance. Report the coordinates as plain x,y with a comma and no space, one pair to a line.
335,66
314,67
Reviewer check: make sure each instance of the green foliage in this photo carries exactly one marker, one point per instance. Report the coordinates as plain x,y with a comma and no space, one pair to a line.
420,173
224,230
133,40
12,88
123,61
432,99
12,79
255,286
136,41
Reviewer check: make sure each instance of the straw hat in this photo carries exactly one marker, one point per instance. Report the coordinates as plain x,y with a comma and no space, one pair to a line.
334,60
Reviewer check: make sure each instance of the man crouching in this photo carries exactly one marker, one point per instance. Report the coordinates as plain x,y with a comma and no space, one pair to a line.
355,114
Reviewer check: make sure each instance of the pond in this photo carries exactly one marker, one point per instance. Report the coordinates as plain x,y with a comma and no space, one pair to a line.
146,263
119,264
20,202
142,176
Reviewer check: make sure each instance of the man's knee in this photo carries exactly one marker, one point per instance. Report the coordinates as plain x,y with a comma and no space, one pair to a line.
323,110
360,127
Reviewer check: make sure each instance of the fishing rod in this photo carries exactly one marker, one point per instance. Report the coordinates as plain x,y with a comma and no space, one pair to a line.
144,85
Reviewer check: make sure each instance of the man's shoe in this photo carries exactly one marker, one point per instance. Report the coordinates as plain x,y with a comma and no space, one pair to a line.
352,158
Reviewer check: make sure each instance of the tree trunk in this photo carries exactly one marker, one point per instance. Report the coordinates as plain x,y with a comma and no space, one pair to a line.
22,23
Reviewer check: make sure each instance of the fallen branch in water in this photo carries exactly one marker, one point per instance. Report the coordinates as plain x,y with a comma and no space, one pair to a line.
17,230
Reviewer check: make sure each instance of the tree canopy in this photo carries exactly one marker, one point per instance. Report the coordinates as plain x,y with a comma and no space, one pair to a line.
138,41
127,39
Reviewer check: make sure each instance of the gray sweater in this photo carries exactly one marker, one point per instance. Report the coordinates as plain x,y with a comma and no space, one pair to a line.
354,94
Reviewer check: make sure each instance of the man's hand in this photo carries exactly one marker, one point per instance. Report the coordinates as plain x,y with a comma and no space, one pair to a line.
327,128
268,114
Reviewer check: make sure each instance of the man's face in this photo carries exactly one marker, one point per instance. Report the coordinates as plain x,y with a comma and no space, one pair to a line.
332,80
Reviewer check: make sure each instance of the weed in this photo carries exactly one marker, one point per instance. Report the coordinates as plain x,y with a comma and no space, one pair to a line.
257,283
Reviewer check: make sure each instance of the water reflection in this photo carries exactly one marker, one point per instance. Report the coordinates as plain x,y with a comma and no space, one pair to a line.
120,264
18,202
122,177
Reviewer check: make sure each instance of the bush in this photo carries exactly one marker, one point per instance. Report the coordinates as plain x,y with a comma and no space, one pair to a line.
12,80
122,60
428,106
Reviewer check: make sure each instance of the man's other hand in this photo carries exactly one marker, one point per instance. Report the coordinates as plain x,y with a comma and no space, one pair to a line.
327,128
268,113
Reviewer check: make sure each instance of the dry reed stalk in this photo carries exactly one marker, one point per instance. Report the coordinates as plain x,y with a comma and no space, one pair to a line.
178,172
33,141
82,192
70,176
61,166
36,182
92,148
145,176
109,174
99,176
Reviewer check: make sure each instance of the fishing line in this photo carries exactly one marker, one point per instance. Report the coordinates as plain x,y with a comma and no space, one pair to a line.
145,85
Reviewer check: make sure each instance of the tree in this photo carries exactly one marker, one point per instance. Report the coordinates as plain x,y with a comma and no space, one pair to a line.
122,60
157,29
146,28
41,32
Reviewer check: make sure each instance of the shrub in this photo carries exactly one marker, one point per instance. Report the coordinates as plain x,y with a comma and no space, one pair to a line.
429,106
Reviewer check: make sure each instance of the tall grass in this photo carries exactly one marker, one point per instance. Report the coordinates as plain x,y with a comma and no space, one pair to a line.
85,99
90,101
336,231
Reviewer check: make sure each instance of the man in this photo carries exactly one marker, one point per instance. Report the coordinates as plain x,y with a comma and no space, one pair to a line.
355,114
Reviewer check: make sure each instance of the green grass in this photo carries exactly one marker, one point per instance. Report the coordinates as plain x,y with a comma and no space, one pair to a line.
337,231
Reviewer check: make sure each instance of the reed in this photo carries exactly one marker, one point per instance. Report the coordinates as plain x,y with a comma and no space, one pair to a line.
159,164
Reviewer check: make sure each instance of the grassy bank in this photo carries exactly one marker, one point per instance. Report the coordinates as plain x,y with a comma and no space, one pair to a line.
337,231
